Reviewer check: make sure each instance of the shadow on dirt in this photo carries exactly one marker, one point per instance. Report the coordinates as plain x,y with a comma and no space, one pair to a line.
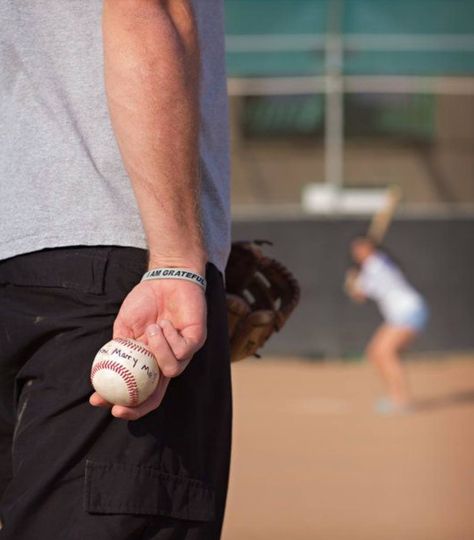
457,398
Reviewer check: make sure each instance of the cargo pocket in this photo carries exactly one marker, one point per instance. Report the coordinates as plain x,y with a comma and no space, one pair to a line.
117,488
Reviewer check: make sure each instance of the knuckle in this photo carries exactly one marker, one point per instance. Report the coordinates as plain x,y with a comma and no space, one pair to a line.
184,361
171,370
184,354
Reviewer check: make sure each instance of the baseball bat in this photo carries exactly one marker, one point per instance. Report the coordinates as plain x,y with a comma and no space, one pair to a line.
381,221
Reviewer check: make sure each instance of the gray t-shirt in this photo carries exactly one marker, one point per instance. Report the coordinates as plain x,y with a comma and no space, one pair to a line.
62,181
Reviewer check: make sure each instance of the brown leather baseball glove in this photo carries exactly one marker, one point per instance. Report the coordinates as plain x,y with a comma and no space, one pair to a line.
261,295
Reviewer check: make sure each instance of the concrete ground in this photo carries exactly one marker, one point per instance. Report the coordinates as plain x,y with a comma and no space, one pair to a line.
312,461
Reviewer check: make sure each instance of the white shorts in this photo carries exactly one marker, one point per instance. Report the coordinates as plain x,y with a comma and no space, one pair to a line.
415,319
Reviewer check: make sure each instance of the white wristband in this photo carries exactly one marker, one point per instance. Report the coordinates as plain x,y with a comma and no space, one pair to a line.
175,273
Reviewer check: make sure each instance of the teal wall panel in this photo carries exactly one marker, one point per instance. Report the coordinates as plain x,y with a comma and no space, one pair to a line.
409,16
276,16
376,18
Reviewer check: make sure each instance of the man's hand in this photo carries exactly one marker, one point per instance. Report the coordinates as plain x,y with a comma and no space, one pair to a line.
152,77
170,317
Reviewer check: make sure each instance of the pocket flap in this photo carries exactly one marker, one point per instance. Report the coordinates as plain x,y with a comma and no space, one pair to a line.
117,488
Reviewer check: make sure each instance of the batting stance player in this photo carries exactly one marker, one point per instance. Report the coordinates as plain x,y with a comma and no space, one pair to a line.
404,311
102,179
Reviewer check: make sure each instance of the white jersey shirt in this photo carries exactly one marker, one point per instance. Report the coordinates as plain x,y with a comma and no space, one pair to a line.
382,281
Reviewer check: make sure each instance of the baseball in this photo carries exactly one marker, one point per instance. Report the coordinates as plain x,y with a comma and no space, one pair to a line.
125,372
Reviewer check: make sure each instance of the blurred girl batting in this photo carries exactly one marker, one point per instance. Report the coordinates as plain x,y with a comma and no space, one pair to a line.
377,277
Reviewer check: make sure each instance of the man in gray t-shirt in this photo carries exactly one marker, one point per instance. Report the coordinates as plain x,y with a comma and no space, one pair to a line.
113,161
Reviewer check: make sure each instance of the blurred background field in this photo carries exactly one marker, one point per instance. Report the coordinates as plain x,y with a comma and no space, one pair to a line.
333,99
332,102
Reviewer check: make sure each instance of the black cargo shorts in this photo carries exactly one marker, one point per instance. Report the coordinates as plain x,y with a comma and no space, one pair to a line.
72,471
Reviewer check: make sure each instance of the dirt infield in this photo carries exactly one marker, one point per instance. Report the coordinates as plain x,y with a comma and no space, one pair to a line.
312,461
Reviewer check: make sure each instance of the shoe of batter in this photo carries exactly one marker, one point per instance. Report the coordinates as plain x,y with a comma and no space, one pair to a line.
387,406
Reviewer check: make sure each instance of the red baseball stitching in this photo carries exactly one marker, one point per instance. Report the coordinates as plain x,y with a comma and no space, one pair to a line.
126,375
135,347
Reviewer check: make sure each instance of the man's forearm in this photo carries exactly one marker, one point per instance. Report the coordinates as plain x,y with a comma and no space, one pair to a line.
152,81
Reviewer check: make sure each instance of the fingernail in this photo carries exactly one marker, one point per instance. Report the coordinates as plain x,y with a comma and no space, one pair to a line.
153,330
